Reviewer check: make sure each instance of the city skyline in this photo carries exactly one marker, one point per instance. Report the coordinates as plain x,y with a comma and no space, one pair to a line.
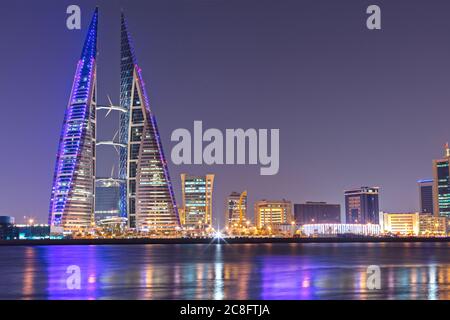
398,189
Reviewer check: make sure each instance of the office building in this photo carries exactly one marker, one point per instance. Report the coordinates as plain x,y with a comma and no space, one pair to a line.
441,185
361,205
317,212
404,224
236,209
197,192
432,226
426,196
269,213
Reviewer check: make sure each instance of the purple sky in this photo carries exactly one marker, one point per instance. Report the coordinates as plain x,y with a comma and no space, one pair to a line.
354,107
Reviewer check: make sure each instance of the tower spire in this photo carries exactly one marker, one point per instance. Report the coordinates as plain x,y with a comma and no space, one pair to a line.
90,44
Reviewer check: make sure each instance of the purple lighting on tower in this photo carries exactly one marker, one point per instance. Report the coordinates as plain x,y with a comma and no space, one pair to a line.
72,198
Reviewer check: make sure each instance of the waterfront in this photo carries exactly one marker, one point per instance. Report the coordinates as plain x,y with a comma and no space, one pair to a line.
239,271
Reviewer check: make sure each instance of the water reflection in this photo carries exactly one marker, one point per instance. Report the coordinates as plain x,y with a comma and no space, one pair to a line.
277,271
28,274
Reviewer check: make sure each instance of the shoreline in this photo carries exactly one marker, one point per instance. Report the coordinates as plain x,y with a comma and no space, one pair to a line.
178,241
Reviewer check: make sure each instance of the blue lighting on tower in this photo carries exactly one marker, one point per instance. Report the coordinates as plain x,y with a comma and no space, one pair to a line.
75,168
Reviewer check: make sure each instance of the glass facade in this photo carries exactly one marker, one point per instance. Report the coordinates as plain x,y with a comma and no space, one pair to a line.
426,196
107,198
197,200
73,191
441,169
147,198
362,205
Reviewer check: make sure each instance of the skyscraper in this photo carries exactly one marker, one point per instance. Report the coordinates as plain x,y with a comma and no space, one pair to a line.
197,200
146,195
441,185
361,205
236,209
426,196
72,196
147,199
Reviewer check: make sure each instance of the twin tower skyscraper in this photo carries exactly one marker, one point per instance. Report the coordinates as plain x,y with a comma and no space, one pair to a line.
146,194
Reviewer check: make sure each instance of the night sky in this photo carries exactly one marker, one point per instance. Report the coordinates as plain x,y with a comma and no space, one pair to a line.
354,107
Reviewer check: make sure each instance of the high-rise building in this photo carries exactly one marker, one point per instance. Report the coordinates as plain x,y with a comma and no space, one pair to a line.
197,200
406,224
236,209
272,213
147,198
361,205
426,196
441,185
107,198
317,213
72,196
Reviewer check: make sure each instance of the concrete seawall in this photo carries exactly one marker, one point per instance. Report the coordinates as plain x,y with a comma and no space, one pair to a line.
218,241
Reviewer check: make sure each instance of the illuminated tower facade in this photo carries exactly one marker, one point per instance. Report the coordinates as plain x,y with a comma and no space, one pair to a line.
73,192
441,185
147,197
236,209
426,196
197,194
362,205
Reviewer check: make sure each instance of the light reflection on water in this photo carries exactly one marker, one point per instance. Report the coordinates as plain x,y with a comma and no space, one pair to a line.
249,271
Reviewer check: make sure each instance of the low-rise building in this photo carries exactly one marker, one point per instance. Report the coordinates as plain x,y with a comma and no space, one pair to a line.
432,226
317,212
6,228
32,232
272,213
336,229
402,224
